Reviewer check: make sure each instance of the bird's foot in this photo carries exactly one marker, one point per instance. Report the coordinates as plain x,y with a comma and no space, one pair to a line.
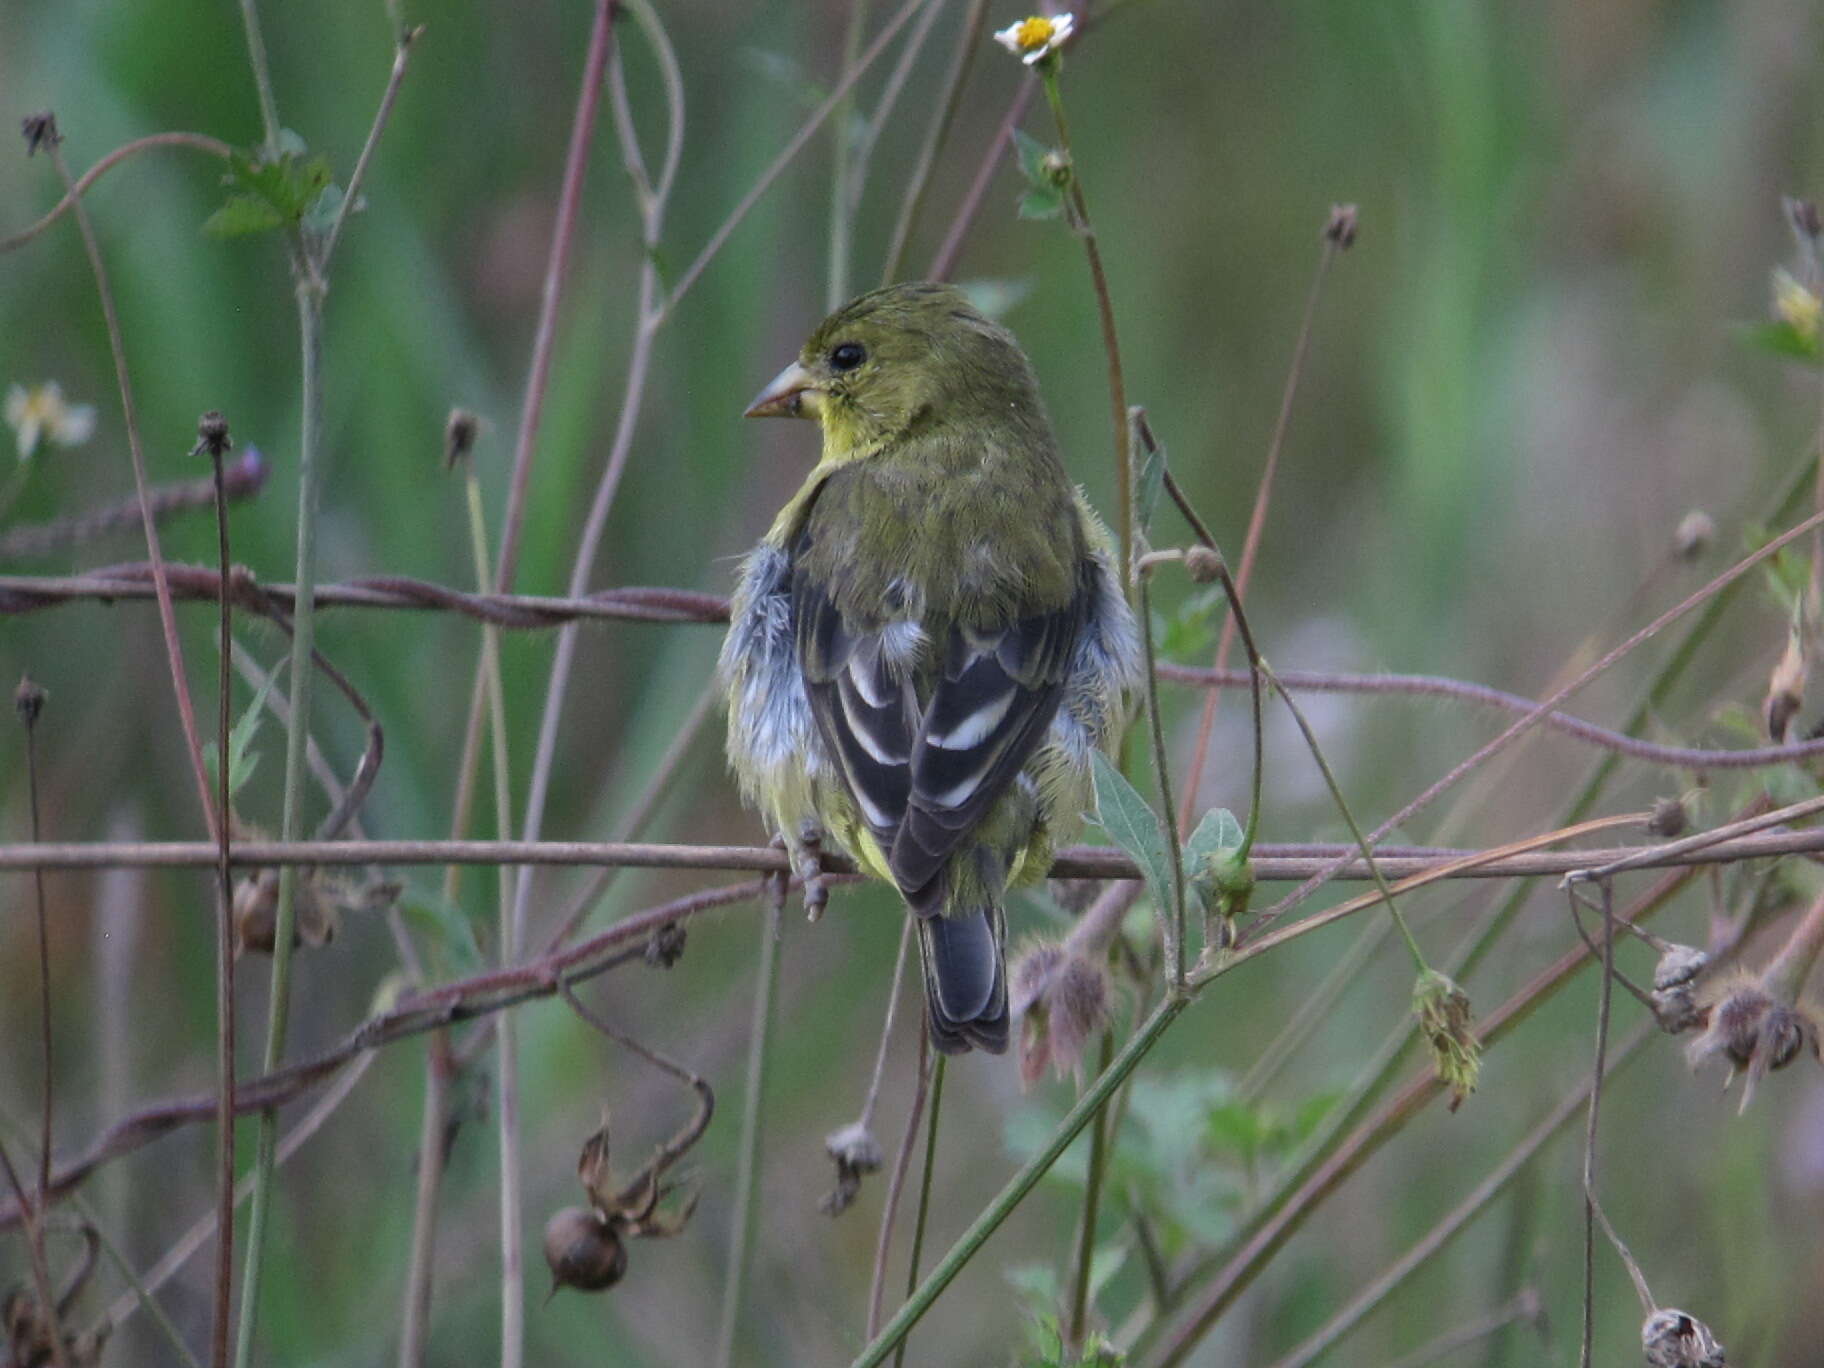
805,852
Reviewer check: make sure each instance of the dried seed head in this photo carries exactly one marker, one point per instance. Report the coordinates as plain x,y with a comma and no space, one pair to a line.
40,131
1669,818
1062,999
1674,995
1754,1032
28,700
856,1152
1675,1339
1442,1009
1696,531
666,946
459,435
1678,965
212,435
315,918
583,1251
1342,225
1202,564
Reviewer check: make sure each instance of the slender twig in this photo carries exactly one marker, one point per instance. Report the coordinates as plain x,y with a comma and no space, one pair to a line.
33,1214
262,73
1099,1135
944,262
1023,1181
1452,1223
174,652
510,935
1523,1306
201,142
1272,863
174,1258
659,786
902,1163
30,702
1250,546
224,935
1105,312
1173,919
886,1026
968,42
843,171
747,1173
402,54
653,196
244,479
805,133
924,1195
1550,703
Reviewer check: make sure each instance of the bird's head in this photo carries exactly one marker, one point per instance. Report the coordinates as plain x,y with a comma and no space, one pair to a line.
899,358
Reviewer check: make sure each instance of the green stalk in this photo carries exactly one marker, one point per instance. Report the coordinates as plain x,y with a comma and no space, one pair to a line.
310,329
1092,1201
1023,1182
924,1192
747,1175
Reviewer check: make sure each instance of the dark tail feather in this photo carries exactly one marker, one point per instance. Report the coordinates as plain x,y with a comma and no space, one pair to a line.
965,979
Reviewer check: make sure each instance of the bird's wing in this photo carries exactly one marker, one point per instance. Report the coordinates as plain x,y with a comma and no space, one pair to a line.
924,771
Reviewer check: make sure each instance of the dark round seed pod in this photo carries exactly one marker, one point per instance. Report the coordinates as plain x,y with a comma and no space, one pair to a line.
583,1251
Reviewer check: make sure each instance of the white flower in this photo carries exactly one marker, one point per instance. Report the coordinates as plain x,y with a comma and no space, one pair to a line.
1034,38
40,411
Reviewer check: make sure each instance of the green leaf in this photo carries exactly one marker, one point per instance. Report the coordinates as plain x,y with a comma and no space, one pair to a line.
1032,154
1217,834
290,144
321,216
1132,825
242,216
1041,202
1780,338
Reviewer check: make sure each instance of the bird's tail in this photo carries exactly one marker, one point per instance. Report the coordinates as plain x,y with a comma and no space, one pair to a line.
965,978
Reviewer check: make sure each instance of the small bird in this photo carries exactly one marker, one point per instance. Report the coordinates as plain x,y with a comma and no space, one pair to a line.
931,640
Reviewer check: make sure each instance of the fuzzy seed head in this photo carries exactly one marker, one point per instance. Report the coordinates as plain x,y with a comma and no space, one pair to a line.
1675,1339
1203,565
1694,535
212,434
1342,226
28,700
1443,1013
40,131
459,434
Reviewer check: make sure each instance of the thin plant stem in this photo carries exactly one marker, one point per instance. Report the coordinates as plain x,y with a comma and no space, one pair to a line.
843,170
747,1174
659,786
433,1128
1099,1136
924,1195
224,935
174,1258
805,133
262,73
310,330
1557,696
886,1026
402,54
174,653
944,261
1250,546
902,1163
892,88
32,700
1355,830
41,1273
1105,309
200,142
1434,1240
1176,918
653,197
968,42
510,935
969,1243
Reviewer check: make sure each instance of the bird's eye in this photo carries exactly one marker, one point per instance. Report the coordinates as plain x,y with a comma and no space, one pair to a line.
847,356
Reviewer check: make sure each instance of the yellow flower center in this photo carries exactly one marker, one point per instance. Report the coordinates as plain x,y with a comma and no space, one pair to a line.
1032,34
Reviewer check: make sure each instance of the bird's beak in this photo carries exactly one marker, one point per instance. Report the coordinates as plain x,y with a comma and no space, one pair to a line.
792,394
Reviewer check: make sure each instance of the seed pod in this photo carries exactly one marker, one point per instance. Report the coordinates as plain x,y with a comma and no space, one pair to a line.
1674,1339
583,1251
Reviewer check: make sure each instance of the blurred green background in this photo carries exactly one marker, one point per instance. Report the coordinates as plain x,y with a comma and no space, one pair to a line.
1521,378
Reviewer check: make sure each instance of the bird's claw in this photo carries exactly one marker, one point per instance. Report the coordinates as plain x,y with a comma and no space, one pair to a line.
804,852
